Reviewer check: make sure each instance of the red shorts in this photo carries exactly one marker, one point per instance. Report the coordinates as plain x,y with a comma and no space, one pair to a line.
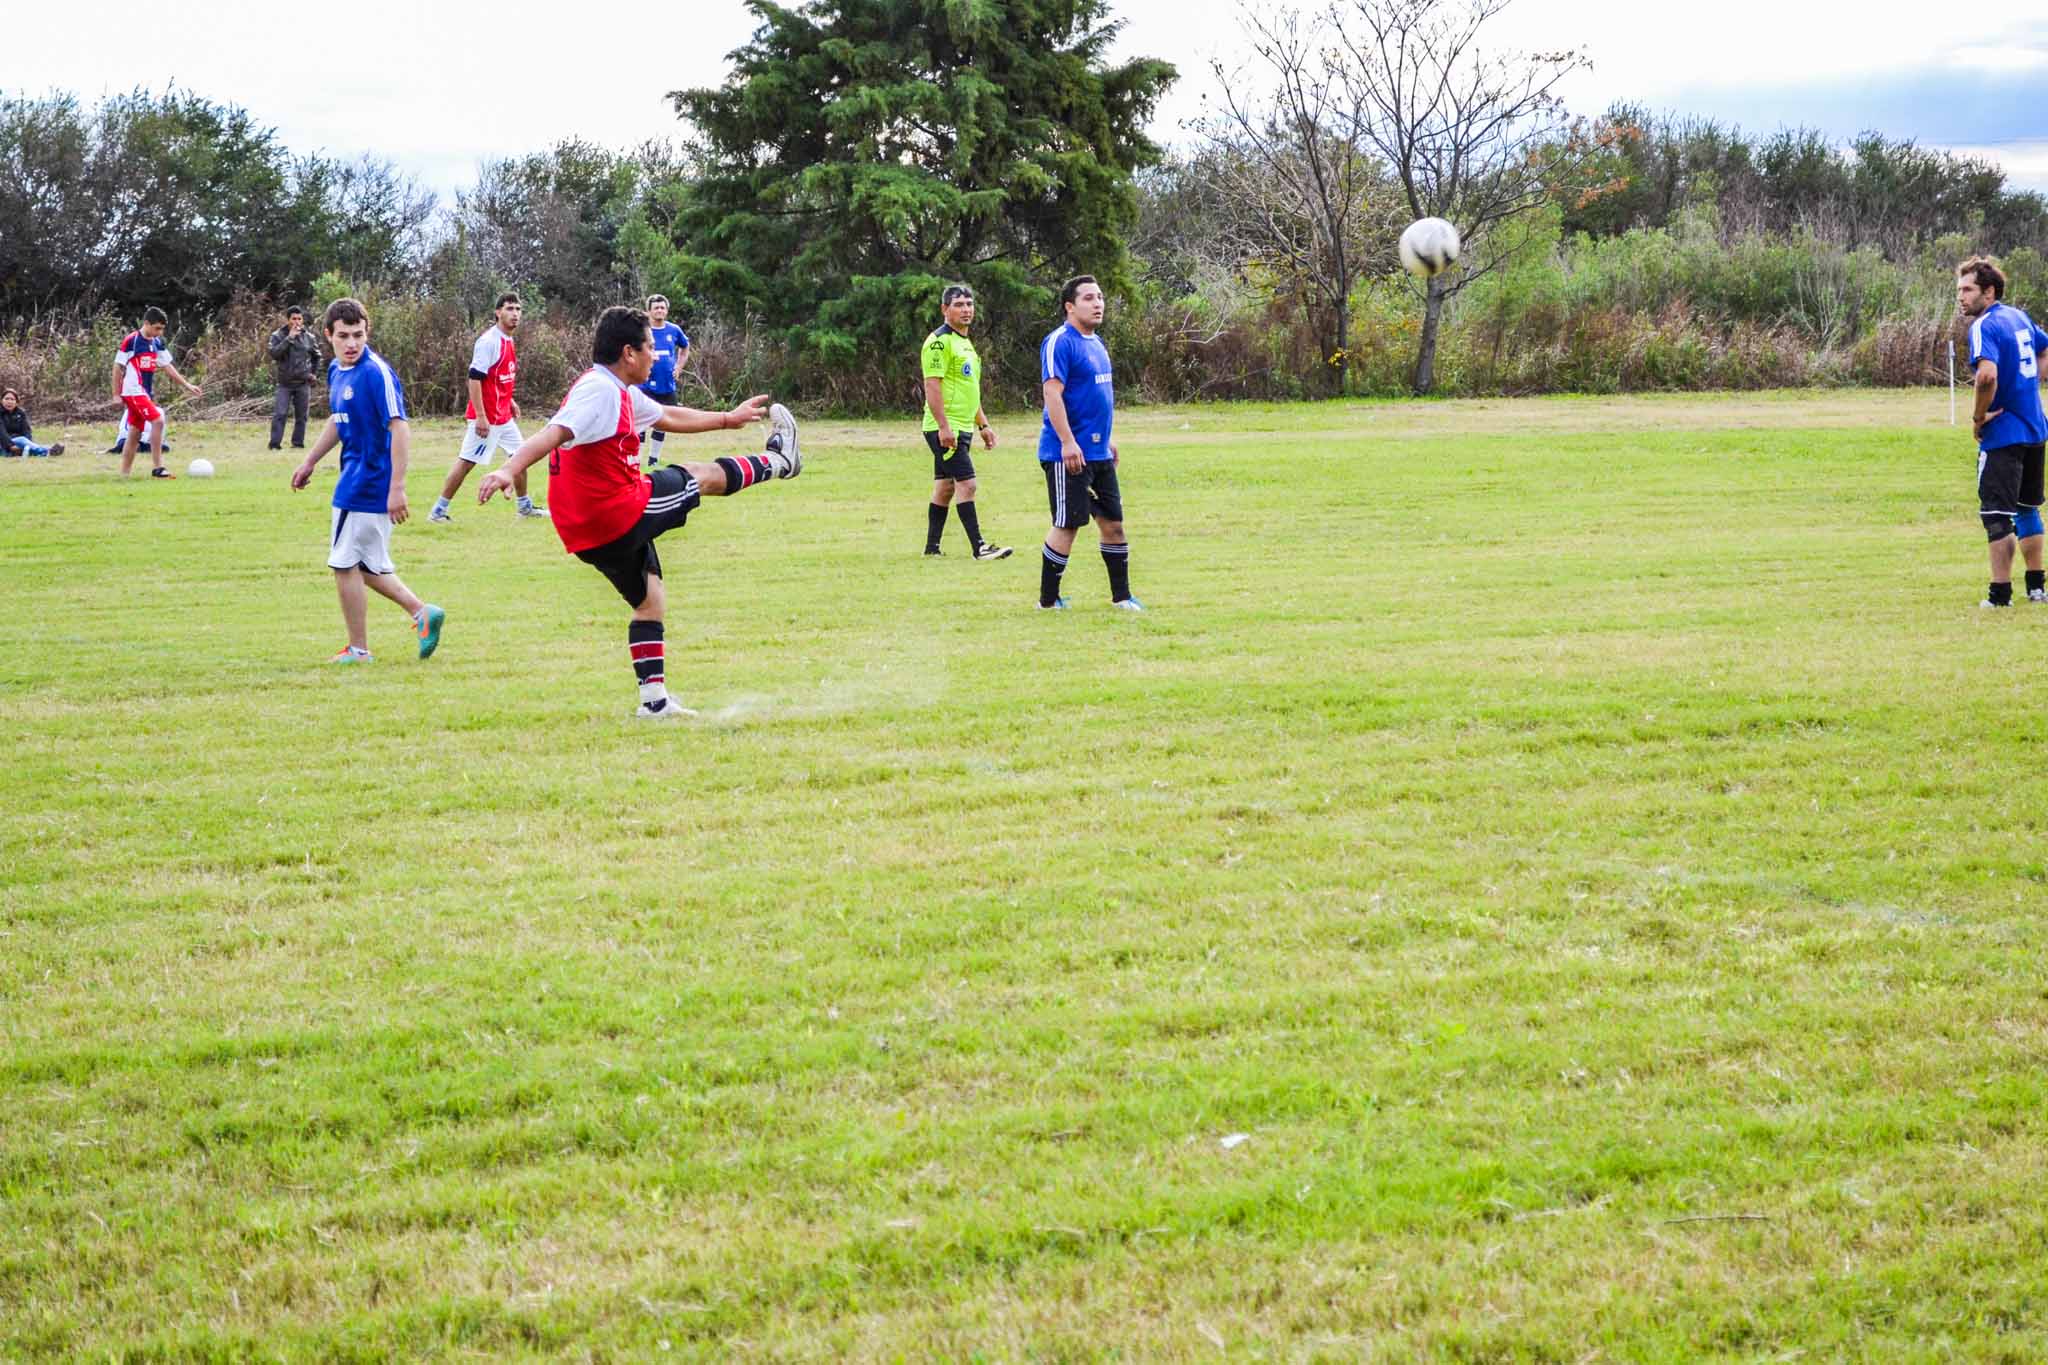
142,410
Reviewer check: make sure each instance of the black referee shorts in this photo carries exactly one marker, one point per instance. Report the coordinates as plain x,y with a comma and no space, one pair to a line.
631,560
956,466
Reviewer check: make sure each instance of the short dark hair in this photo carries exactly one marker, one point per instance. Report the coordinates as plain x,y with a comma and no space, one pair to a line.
619,329
154,314
1985,272
504,299
11,393
1072,288
295,311
653,299
954,291
350,311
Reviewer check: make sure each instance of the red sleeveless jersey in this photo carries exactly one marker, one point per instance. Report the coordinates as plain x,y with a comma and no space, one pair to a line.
595,488
497,360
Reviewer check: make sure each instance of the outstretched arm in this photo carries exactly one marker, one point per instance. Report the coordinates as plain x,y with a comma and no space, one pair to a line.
683,420
536,448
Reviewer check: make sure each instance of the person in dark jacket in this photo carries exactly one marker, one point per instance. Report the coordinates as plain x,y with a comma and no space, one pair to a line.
296,354
15,436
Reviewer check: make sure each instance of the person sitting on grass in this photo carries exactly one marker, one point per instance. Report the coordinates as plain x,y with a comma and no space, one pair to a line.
15,436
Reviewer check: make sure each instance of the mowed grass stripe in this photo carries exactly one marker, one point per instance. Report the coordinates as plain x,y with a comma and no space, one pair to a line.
1534,824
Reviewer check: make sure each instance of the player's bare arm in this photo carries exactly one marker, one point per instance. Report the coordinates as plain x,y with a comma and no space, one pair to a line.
683,420
1987,388
934,391
476,405
988,433
401,454
118,368
172,370
1056,413
329,438
532,451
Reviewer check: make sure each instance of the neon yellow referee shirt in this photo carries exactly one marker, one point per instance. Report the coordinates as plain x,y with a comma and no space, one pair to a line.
949,358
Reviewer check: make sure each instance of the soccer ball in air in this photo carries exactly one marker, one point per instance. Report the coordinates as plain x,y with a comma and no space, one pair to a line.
200,469
1429,246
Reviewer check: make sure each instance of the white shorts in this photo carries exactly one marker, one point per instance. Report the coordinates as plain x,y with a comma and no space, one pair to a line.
477,449
360,540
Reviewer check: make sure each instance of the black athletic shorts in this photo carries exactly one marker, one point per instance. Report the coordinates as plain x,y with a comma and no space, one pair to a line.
1076,497
958,465
629,560
2009,478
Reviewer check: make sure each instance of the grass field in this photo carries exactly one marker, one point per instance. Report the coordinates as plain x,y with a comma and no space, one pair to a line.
1552,880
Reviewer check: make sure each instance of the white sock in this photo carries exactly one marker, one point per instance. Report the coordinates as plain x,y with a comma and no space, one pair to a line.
652,692
440,504
525,503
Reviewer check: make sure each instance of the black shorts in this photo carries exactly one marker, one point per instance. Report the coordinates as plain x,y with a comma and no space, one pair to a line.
958,465
2009,478
630,560
1076,497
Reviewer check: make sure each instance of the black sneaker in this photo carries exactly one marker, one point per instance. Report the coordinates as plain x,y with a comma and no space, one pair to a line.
161,473
989,550
931,551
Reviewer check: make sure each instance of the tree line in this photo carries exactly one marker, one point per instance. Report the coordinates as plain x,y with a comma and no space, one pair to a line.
862,153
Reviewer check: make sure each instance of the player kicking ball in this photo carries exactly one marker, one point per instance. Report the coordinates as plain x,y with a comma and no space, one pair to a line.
367,407
606,511
493,413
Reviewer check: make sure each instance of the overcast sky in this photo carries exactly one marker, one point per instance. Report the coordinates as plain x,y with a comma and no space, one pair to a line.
435,89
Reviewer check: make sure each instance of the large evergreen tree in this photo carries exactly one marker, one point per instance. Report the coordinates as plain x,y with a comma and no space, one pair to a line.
864,151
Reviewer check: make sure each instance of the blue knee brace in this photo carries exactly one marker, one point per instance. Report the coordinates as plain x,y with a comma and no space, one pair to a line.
2027,523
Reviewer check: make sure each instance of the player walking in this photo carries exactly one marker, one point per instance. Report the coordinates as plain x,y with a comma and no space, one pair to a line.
671,350
367,420
1077,449
2005,348
493,413
607,512
142,354
952,398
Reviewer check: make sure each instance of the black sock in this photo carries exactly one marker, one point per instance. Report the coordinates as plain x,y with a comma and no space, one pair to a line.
1050,567
970,522
934,525
2037,579
1118,560
744,471
2001,594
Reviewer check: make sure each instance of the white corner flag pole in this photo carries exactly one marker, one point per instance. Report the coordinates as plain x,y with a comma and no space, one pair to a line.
1951,381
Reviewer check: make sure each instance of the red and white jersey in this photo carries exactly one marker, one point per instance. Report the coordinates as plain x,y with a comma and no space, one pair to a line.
140,357
495,362
595,488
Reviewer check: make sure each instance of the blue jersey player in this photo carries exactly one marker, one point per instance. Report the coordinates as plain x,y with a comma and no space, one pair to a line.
367,420
671,351
1077,446
2005,350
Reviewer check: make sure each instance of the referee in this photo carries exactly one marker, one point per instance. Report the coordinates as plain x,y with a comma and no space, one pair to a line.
952,397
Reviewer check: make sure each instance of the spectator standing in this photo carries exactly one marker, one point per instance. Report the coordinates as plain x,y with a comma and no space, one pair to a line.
296,354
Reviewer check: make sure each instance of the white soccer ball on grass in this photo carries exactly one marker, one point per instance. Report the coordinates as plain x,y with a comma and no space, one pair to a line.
200,469
1429,246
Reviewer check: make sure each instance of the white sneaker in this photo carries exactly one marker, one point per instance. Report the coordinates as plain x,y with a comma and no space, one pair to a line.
439,514
534,511
781,448
1990,605
1129,604
2037,594
669,711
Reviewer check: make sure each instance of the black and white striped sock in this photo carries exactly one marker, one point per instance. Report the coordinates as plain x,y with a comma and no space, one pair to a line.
1050,568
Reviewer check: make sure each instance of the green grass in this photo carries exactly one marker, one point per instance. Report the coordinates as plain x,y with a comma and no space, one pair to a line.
1591,849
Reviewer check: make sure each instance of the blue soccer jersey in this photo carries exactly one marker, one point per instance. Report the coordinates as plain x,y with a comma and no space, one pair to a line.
669,343
2009,339
365,399
1081,363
